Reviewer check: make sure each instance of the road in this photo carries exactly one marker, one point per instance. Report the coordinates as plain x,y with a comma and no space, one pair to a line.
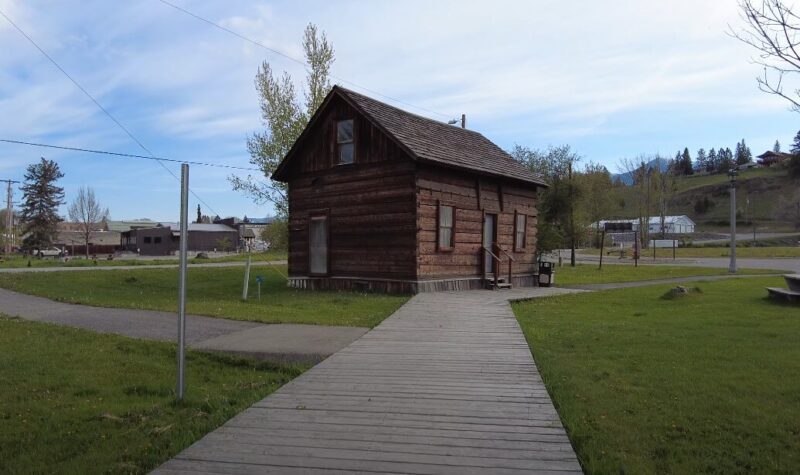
14,270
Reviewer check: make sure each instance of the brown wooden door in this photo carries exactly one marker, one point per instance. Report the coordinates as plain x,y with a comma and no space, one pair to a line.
489,238
318,245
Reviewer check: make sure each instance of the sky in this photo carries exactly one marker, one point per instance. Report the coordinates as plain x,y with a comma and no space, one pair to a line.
611,79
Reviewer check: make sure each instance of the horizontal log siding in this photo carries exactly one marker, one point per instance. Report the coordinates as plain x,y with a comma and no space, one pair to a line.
372,220
446,187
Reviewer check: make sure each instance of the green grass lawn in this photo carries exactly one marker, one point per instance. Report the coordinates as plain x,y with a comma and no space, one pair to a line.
17,261
742,250
708,383
73,401
590,274
211,291
697,181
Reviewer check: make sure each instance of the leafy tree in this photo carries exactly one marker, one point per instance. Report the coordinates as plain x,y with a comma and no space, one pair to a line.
777,147
41,199
224,244
559,204
795,144
285,118
276,234
598,192
88,213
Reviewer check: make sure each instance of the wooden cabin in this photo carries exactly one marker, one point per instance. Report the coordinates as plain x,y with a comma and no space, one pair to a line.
384,200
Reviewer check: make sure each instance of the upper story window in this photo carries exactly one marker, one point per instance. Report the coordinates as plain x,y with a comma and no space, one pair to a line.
344,141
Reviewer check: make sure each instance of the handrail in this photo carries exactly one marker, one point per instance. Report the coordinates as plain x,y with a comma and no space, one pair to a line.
504,252
490,252
510,262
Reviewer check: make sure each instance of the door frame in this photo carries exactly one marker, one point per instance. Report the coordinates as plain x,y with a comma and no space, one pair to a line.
326,215
486,269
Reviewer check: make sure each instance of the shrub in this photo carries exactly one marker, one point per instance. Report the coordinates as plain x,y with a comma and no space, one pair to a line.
276,234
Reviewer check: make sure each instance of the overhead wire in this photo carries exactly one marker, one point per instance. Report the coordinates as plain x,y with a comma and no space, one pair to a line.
298,61
100,106
127,155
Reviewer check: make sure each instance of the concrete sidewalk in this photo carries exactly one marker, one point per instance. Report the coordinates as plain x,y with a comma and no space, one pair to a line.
276,342
16,270
446,385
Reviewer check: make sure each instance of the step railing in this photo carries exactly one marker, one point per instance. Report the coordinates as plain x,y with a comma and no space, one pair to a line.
496,262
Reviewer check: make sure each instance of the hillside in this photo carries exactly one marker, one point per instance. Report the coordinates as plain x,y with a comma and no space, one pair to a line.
767,195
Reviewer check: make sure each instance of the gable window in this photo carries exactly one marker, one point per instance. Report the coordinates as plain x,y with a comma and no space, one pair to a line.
446,236
520,226
345,148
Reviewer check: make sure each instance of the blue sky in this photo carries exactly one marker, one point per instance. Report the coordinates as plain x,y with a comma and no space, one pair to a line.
613,82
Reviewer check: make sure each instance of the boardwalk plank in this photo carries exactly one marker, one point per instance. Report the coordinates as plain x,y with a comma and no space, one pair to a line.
446,385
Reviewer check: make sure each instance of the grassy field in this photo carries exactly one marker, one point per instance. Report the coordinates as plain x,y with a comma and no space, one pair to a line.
697,181
73,401
695,252
590,274
707,383
211,291
19,261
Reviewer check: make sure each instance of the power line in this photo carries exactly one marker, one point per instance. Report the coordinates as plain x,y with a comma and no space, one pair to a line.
128,155
298,61
140,144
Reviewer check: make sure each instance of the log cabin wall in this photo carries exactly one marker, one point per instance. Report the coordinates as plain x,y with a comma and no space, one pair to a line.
471,197
370,205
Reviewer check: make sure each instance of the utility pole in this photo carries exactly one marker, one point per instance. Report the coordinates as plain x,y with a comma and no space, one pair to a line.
9,232
571,218
463,121
732,265
184,243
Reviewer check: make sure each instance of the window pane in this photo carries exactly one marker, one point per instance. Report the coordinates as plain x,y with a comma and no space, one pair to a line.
318,246
344,131
521,222
446,216
445,237
346,153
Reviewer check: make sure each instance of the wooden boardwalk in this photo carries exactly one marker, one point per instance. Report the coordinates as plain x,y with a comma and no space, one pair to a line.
446,385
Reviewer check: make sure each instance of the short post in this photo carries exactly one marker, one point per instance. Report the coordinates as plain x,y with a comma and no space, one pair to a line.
653,242
673,248
184,242
259,280
246,279
635,249
732,266
602,245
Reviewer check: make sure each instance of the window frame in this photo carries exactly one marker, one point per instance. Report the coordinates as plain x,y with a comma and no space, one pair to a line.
338,149
519,247
445,247
147,240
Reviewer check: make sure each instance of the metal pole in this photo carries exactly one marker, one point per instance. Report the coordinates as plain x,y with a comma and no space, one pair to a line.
732,266
602,245
184,244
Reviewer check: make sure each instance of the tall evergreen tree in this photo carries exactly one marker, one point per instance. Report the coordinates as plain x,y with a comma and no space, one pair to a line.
742,154
701,162
686,162
199,215
796,144
41,199
713,161
677,163
777,147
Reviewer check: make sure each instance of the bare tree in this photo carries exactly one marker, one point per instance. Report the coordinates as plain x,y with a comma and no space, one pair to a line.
665,187
640,173
88,213
772,29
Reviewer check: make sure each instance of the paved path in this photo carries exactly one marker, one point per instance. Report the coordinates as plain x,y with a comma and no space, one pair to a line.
446,385
18,270
279,342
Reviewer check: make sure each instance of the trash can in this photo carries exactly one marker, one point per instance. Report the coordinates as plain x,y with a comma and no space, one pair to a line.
547,274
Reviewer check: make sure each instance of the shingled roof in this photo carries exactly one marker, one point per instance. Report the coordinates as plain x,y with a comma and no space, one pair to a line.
436,142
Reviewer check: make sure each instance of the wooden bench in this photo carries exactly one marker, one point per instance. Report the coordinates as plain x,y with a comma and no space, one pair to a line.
792,294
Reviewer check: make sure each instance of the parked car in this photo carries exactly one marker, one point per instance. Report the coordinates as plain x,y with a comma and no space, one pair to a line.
49,252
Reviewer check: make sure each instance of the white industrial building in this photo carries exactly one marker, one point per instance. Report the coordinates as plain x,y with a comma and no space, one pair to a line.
672,224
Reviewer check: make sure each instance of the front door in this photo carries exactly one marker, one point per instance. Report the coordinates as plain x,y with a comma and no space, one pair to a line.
489,236
318,245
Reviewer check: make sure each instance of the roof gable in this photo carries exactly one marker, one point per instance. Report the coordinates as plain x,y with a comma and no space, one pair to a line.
425,140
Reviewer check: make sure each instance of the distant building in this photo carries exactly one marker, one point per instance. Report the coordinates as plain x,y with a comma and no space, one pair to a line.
770,158
164,239
122,226
672,224
250,229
